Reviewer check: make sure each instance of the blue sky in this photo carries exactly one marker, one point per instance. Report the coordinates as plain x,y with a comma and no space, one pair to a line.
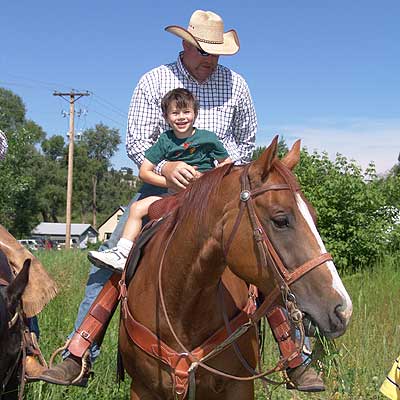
326,72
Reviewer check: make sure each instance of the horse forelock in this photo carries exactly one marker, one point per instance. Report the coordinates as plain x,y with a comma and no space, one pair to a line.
287,174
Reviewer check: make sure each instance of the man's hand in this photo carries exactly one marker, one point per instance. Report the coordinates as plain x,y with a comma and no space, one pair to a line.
179,174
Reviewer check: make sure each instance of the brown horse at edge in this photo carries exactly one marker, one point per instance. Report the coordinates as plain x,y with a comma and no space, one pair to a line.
190,246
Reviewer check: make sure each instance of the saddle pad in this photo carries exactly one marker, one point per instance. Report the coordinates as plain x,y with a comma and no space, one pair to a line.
136,252
163,206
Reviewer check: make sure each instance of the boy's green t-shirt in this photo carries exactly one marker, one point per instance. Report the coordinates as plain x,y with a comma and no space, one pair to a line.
200,149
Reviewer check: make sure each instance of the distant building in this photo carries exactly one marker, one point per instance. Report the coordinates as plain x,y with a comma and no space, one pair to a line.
81,234
108,226
126,171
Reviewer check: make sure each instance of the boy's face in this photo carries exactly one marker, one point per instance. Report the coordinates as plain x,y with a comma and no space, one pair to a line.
181,120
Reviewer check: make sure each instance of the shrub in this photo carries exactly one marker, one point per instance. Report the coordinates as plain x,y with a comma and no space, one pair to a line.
350,205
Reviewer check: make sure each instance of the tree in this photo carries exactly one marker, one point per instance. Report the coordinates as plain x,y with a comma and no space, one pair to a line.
18,185
93,155
51,175
12,110
54,148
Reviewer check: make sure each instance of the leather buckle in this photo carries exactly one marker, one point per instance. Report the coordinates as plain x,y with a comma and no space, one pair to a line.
85,334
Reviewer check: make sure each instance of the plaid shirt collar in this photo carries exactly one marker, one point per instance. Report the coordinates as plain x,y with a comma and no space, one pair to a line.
182,69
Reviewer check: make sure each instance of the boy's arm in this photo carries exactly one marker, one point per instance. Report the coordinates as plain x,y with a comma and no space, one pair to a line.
146,174
224,161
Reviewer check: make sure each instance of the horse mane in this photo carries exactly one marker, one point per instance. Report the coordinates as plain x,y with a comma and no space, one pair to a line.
195,200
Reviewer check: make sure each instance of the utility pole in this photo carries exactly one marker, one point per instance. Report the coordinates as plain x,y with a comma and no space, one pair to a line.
73,97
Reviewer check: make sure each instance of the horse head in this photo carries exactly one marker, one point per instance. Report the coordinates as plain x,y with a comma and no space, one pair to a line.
11,291
284,248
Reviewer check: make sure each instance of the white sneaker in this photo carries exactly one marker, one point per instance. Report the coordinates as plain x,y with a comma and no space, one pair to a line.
112,259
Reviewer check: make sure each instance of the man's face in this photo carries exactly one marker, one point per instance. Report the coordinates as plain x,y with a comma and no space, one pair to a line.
200,67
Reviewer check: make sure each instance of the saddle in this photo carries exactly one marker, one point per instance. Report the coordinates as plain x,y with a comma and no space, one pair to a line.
157,213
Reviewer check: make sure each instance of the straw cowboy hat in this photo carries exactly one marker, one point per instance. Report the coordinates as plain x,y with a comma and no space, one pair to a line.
206,32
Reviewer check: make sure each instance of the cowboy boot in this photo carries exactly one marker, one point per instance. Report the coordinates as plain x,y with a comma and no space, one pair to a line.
301,376
41,288
305,379
75,368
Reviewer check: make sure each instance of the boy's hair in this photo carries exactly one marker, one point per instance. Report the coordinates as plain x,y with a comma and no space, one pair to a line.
183,98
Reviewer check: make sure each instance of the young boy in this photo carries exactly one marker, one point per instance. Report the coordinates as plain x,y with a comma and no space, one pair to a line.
183,142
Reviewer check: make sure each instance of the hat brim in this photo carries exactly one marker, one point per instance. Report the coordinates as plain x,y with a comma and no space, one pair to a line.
229,47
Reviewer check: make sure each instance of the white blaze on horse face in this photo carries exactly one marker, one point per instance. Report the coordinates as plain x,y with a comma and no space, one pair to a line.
336,281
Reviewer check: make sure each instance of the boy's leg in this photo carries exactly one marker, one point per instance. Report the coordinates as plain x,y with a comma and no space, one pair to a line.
97,279
115,258
138,211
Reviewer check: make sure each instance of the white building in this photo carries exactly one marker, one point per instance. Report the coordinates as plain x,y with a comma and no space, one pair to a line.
81,234
108,226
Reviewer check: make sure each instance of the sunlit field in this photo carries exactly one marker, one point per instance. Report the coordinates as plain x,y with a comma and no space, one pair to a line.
354,370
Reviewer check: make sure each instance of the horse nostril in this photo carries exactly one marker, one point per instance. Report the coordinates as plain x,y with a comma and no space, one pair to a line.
343,313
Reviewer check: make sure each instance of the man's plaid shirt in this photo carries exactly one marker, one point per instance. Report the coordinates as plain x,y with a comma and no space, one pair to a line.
226,108
3,145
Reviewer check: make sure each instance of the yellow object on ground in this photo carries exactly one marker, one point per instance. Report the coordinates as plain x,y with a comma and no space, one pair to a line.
391,386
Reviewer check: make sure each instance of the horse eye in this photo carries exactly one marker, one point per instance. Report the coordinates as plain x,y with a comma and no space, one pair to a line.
281,222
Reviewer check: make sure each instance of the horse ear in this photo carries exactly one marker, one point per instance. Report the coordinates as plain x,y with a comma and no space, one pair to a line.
16,288
292,158
263,164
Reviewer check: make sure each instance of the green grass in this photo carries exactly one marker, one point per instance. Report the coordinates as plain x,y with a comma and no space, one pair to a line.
353,371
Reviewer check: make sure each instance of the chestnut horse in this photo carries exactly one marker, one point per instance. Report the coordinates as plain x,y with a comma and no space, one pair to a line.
175,293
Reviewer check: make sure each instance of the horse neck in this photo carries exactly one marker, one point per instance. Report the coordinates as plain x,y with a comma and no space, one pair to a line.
194,261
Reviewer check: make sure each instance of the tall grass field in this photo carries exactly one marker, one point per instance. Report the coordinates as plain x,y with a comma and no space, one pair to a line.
353,367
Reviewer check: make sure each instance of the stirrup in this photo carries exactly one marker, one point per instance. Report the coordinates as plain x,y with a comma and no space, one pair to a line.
85,361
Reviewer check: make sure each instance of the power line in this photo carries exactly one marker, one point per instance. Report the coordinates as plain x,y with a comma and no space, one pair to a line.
42,83
110,105
113,120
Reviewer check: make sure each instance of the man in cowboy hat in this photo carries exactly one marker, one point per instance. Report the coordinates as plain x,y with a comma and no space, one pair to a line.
226,108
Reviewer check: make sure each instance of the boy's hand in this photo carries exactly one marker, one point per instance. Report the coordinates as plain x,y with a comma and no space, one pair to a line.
179,174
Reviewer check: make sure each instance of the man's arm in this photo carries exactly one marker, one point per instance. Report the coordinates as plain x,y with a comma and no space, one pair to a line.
245,126
3,145
144,122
